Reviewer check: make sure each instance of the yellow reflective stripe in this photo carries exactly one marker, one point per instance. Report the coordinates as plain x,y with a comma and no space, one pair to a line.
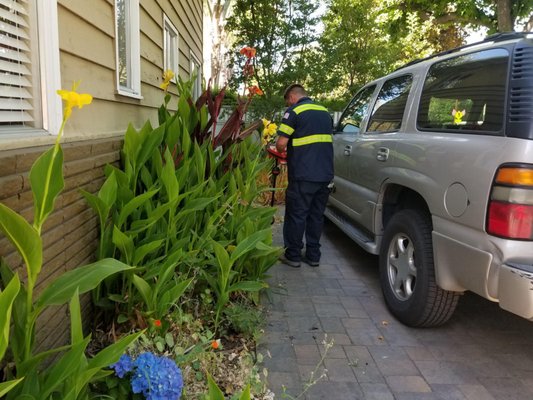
311,139
286,129
307,107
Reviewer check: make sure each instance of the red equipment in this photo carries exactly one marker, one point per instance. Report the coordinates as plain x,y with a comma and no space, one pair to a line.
280,158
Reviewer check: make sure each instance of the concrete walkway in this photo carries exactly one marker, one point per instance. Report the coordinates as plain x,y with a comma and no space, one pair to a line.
483,353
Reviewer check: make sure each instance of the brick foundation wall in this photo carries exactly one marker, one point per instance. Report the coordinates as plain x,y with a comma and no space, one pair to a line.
70,234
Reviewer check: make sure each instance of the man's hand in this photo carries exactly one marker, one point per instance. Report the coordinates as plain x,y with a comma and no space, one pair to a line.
281,144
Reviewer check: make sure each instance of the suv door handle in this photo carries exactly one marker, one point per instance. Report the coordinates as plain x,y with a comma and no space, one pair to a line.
383,154
347,150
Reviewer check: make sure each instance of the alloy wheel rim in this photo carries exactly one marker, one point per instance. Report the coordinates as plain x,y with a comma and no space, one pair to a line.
401,269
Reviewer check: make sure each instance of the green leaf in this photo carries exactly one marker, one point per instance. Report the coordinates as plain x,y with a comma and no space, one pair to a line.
7,297
245,393
6,387
145,290
124,243
145,249
151,140
76,326
247,286
108,191
214,391
171,296
65,367
46,177
250,243
84,278
25,238
168,177
97,204
133,205
108,356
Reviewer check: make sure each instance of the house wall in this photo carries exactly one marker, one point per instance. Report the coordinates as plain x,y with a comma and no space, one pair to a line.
93,135
87,45
70,234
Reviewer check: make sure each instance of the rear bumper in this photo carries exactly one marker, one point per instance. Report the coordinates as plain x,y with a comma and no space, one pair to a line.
460,267
515,288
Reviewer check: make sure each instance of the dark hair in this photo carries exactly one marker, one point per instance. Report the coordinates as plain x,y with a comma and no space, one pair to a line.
295,87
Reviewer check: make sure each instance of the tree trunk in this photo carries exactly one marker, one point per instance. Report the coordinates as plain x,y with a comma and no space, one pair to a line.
529,25
505,21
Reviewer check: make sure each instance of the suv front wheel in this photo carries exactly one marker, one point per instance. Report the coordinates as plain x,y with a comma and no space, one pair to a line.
407,272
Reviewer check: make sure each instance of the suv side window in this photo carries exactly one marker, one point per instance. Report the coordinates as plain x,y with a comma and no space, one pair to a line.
390,106
352,117
465,93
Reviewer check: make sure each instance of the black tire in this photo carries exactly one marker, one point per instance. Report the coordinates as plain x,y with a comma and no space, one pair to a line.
407,272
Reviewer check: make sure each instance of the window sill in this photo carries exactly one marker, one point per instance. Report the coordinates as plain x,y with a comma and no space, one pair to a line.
132,95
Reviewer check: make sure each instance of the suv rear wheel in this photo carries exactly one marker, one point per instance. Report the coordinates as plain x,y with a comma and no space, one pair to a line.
407,273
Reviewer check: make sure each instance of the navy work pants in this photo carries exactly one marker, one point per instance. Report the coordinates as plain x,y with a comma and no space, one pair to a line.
305,203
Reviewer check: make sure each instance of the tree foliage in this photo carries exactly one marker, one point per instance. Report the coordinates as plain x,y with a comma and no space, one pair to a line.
361,39
282,32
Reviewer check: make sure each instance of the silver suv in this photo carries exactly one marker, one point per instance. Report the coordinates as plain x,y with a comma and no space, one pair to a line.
434,172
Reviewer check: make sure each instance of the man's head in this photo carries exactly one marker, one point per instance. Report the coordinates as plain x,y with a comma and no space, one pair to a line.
294,93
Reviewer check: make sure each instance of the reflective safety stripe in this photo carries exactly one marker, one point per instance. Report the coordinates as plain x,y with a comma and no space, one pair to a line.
286,129
307,107
312,139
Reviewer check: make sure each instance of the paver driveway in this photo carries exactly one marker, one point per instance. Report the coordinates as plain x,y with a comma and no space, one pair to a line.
482,353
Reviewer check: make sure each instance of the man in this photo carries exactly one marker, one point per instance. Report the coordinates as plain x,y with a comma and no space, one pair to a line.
305,134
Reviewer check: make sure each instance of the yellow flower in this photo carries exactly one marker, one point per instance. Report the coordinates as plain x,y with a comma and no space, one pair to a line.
73,99
269,130
168,75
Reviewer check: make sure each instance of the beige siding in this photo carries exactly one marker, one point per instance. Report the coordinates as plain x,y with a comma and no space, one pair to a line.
87,47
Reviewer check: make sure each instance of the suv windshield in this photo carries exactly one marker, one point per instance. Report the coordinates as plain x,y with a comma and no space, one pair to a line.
465,93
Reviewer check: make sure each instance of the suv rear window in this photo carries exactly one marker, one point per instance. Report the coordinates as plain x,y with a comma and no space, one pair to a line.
465,93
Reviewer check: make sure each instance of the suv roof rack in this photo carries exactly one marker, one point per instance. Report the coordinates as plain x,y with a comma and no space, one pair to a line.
497,37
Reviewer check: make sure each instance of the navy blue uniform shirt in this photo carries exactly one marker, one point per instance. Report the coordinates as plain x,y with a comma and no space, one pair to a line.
310,149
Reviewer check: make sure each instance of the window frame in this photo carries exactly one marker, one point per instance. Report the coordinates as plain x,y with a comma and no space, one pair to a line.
133,50
197,85
45,71
169,27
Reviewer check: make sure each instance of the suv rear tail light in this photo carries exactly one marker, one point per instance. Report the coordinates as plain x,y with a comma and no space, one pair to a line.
510,211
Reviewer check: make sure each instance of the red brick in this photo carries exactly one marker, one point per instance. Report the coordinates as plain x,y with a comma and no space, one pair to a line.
107,158
11,185
76,151
20,201
8,165
78,166
27,157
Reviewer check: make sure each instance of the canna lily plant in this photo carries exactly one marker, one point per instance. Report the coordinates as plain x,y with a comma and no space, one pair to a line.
70,374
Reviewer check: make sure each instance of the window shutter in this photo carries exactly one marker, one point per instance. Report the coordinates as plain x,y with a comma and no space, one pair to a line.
16,100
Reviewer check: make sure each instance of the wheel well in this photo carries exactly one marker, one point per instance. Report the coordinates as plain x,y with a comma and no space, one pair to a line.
398,198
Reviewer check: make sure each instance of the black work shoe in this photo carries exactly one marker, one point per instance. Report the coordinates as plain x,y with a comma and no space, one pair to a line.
310,263
290,263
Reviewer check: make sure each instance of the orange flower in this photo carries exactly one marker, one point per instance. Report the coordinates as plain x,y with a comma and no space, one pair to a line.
254,90
248,52
215,344
157,323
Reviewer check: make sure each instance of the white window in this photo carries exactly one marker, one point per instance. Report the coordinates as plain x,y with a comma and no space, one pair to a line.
170,46
29,66
196,73
128,48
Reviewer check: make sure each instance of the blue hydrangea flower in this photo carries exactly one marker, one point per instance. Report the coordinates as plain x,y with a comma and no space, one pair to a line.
157,378
123,366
